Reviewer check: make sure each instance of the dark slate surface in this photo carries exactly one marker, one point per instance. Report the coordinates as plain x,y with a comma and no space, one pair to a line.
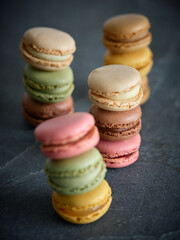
145,195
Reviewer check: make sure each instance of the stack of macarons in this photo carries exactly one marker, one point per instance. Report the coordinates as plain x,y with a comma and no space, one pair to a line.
127,38
47,77
75,168
116,94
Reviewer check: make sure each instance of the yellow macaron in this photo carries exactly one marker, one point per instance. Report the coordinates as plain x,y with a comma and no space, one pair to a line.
146,89
140,59
83,208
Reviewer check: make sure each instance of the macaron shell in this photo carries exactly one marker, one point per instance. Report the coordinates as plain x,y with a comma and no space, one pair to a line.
75,166
119,154
49,41
122,47
136,59
111,105
125,134
80,146
119,148
126,33
121,78
52,97
109,121
36,112
101,195
84,201
118,119
65,129
126,27
121,161
86,187
77,174
44,64
146,69
146,94
84,219
144,82
42,80
46,86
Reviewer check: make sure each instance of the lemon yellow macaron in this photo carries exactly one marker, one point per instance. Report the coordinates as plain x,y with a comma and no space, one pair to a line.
83,208
146,89
140,59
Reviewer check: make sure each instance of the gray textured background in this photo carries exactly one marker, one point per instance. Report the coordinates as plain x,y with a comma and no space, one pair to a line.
145,195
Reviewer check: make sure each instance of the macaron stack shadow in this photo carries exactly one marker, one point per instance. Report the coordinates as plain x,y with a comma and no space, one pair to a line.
47,78
75,168
116,93
127,38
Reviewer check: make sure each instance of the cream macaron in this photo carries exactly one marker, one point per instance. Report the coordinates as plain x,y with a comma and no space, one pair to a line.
115,87
47,48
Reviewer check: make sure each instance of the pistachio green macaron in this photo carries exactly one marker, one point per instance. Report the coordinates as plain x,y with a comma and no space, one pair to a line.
76,175
46,86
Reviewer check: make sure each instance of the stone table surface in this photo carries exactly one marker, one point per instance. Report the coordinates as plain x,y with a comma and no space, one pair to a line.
146,198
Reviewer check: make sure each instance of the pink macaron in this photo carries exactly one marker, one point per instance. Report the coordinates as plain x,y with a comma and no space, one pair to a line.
118,154
67,136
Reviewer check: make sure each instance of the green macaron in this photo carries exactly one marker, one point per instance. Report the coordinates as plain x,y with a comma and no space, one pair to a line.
46,86
76,175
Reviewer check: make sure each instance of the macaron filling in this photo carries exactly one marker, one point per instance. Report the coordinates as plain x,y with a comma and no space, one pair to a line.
83,213
145,65
50,97
135,36
54,58
118,96
121,161
81,136
119,130
47,88
45,117
73,184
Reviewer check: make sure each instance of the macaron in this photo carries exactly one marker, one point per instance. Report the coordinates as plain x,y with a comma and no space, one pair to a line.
37,112
146,89
83,208
140,59
47,48
118,154
117,125
67,136
126,33
48,87
76,175
115,87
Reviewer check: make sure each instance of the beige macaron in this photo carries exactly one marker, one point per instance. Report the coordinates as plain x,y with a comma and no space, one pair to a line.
47,48
115,87
126,33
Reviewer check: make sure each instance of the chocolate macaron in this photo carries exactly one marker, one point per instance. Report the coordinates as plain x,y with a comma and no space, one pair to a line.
36,112
117,125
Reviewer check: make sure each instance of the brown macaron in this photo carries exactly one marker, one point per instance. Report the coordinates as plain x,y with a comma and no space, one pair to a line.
36,112
126,33
115,126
